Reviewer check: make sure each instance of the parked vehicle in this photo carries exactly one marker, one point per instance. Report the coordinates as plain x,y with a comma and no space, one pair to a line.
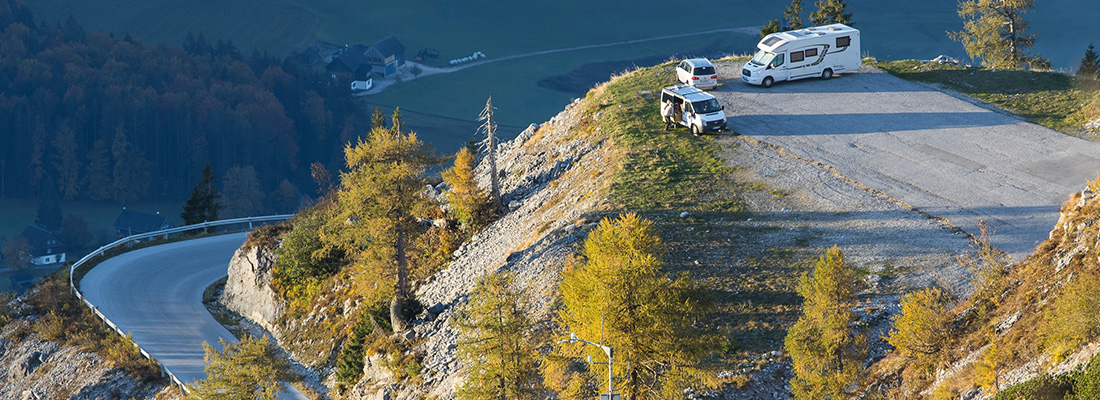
697,72
357,86
821,51
691,107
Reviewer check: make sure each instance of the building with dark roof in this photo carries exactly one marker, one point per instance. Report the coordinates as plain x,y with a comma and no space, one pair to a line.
45,248
386,56
131,222
357,62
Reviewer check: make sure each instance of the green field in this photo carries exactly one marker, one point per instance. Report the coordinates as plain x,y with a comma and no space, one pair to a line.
16,214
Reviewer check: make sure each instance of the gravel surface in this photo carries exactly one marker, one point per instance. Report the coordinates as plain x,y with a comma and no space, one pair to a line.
929,150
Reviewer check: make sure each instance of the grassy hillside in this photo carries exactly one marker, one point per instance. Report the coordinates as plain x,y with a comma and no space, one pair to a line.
1051,99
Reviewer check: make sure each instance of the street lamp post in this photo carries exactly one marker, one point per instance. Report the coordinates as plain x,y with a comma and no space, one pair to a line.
610,351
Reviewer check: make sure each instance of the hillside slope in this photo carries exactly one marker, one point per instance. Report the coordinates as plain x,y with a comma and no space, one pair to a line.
1035,320
743,218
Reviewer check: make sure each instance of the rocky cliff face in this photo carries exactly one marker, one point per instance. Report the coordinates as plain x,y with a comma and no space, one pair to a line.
36,369
552,185
248,289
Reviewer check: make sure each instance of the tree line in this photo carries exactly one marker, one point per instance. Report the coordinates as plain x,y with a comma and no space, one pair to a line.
98,117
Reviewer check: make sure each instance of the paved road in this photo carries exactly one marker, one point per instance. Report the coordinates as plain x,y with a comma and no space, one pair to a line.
932,151
155,294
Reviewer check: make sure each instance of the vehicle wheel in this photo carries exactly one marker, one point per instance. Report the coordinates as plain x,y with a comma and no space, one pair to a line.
827,73
695,130
768,82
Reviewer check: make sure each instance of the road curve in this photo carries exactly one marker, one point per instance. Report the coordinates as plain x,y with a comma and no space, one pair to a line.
155,294
943,155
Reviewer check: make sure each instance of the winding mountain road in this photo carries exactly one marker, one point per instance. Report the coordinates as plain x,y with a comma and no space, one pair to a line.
949,157
155,294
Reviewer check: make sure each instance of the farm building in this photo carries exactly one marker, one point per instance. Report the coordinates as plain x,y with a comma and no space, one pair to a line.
357,62
131,222
45,248
321,52
386,56
351,64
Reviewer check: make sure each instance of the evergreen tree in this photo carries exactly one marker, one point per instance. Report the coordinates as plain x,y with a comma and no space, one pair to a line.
1090,64
49,215
374,221
377,119
827,356
246,370
793,15
203,204
67,162
622,297
349,368
995,32
75,230
97,175
468,201
496,343
131,170
831,12
770,28
242,192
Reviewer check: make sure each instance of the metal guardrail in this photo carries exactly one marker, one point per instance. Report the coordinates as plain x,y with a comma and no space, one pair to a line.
165,233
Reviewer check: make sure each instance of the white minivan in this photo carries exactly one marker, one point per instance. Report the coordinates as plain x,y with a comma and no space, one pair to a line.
697,72
688,106
818,52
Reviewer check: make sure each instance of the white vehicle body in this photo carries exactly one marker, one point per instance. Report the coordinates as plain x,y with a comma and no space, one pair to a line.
357,86
821,51
697,72
691,107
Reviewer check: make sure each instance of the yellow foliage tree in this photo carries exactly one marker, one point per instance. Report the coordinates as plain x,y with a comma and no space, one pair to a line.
621,296
921,328
1075,316
826,354
246,370
988,370
497,343
468,201
374,220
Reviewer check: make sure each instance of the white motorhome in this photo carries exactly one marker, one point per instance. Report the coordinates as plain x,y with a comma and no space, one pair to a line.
821,51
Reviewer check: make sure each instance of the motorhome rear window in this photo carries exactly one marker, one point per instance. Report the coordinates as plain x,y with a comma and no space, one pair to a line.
811,52
704,70
843,41
771,40
797,56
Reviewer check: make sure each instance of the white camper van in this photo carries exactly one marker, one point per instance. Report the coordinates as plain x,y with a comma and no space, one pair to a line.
821,51
688,106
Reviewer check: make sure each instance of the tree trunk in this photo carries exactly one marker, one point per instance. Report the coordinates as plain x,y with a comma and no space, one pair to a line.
400,289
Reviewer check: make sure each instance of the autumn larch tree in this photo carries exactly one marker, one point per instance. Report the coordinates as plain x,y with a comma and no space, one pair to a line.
247,370
922,329
995,32
468,201
374,220
623,297
826,354
497,343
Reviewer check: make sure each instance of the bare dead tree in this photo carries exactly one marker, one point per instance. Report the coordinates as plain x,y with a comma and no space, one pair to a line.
489,146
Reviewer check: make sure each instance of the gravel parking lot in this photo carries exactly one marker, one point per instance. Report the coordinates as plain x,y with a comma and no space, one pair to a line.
945,156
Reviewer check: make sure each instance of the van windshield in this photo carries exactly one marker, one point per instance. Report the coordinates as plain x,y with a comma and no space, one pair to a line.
762,57
706,106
